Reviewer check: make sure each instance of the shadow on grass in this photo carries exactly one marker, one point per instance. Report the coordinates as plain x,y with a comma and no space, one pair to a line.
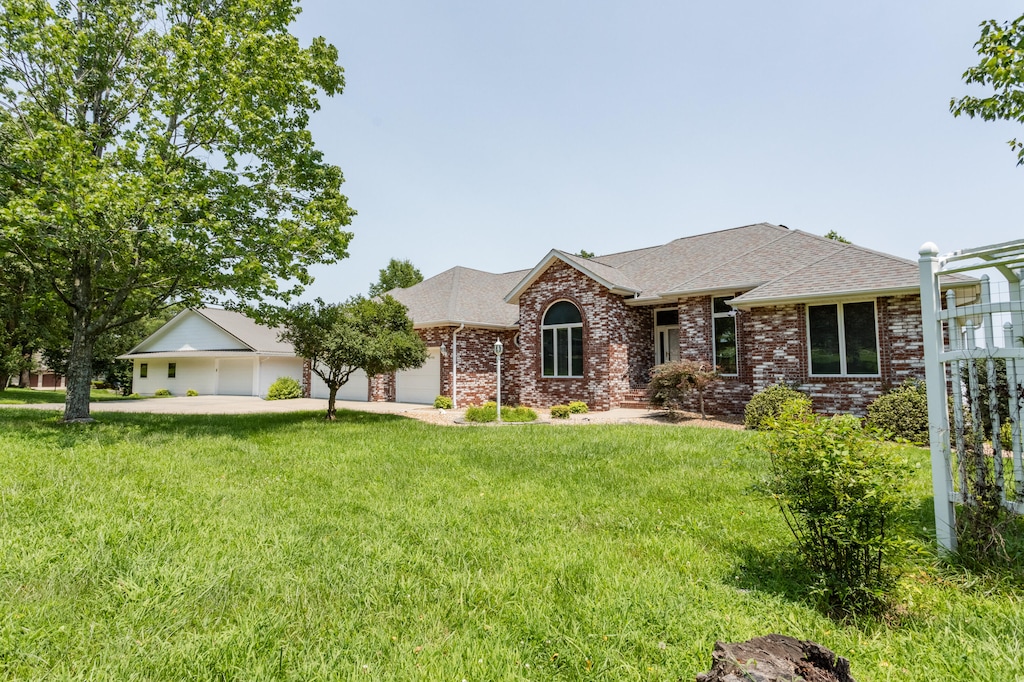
47,426
33,396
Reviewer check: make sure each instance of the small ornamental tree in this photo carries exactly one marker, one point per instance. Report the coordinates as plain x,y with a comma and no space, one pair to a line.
371,334
671,382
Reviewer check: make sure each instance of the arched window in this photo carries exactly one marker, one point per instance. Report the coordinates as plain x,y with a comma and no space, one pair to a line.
562,341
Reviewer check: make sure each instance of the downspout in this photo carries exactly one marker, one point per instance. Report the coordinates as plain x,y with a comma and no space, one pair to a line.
455,366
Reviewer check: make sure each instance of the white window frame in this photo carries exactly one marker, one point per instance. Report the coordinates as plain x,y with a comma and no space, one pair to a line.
554,340
659,328
736,332
840,315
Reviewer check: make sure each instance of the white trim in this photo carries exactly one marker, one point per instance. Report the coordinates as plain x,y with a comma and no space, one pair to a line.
842,341
658,328
554,336
735,331
545,263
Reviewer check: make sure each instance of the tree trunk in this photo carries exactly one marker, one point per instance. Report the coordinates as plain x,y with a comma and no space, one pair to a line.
4,380
331,409
79,377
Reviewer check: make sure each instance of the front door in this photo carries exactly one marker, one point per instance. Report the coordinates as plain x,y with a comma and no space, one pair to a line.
666,336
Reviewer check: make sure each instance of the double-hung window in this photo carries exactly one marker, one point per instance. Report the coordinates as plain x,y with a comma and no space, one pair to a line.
724,319
843,339
562,341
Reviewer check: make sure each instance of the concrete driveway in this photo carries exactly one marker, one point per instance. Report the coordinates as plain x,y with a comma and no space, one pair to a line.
230,404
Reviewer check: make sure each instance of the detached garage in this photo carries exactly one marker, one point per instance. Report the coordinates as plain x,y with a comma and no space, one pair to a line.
213,352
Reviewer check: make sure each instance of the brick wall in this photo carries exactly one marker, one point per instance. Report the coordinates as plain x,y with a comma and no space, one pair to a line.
617,345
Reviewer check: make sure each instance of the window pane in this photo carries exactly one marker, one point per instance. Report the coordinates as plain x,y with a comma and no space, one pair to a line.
666,318
562,312
549,352
824,331
577,351
719,305
143,370
562,352
859,333
725,344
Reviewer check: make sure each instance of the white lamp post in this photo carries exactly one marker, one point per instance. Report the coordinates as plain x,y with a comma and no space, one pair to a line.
498,348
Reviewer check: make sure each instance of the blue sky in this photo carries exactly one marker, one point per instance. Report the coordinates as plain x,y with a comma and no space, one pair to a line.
484,134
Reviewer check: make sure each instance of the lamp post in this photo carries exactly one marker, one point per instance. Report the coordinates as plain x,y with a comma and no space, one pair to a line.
498,348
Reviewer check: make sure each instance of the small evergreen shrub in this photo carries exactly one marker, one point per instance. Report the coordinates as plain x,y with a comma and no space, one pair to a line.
162,393
134,396
488,412
560,411
767,404
443,402
840,490
284,388
902,412
578,407
191,393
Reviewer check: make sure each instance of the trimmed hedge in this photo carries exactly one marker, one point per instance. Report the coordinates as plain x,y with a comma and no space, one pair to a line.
284,388
767,404
902,413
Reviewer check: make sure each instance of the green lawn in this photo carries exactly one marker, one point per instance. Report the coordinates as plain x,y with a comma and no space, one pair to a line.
31,396
283,547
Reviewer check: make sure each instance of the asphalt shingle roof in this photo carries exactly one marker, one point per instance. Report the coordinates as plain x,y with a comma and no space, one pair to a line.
768,263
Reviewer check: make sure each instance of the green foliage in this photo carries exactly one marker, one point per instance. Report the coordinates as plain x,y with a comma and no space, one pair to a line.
560,411
583,253
488,412
443,402
1002,393
159,151
902,412
672,381
578,407
768,403
840,491
399,274
1006,435
162,393
371,334
284,388
835,236
191,393
1001,68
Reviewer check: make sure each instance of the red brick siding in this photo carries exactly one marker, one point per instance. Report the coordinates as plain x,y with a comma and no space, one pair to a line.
612,333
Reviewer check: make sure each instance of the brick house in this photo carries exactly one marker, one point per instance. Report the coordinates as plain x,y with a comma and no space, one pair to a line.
763,303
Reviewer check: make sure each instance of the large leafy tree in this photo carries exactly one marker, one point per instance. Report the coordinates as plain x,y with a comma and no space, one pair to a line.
399,274
1001,48
158,152
371,334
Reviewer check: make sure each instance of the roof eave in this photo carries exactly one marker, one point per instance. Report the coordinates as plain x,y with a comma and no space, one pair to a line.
835,296
468,323
545,263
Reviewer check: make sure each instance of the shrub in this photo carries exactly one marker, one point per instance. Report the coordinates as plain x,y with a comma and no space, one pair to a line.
839,489
560,411
162,393
134,396
284,388
767,404
672,381
191,393
578,407
1006,435
443,402
488,412
902,412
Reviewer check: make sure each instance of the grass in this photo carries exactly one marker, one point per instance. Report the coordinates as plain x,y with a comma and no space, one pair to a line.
32,396
284,547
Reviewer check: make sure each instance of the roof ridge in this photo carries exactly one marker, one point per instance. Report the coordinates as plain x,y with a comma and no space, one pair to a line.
862,248
788,233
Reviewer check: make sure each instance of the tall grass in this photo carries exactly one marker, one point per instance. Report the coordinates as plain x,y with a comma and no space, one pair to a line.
285,547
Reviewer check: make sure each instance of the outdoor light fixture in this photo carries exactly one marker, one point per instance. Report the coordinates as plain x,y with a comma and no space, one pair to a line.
498,348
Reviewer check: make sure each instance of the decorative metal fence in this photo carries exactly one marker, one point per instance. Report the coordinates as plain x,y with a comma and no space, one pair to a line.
974,357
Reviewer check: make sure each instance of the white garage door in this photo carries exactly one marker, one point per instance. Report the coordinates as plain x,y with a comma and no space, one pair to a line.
357,387
235,377
420,385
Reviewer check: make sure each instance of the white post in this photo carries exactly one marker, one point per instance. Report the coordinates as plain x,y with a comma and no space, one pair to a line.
935,380
497,351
